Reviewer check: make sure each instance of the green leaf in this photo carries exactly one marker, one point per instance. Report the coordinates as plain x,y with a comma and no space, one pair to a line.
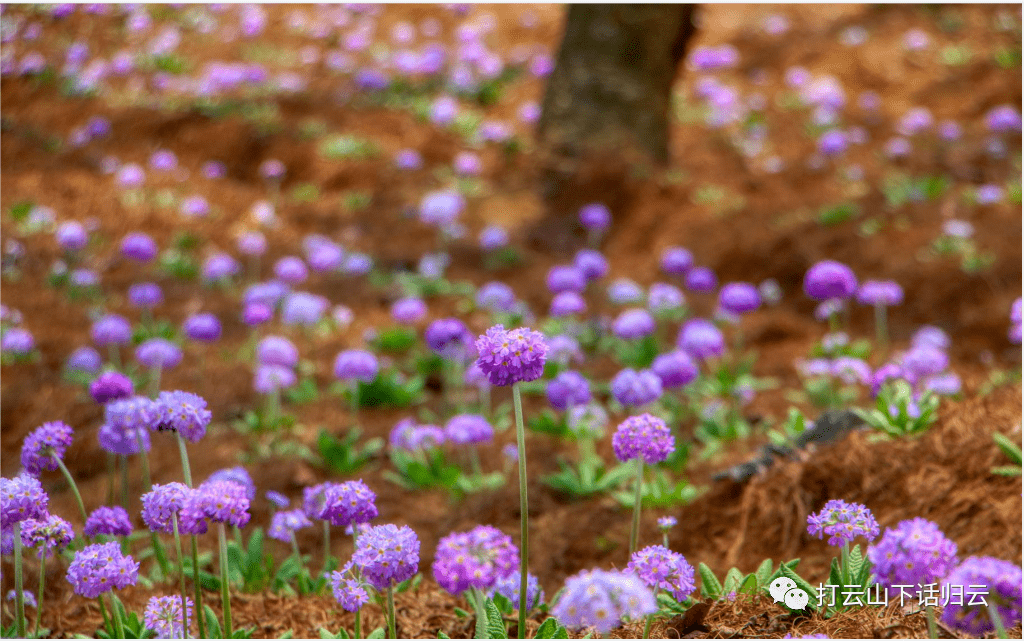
732,580
442,635
749,585
212,623
709,582
459,612
834,575
377,634
1008,447
856,562
495,624
551,629
764,573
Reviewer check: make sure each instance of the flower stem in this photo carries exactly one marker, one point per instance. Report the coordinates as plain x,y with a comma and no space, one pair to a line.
118,625
933,630
844,570
647,622
154,380
524,537
327,545
354,393
357,633
181,574
634,531
224,588
186,469
39,595
19,588
997,621
74,487
393,634
198,589
881,329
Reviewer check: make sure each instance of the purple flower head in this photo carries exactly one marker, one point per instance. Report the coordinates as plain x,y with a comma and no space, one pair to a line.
408,311
48,533
829,279
930,336
564,349
100,568
135,413
1003,119
163,615
279,500
569,388
236,474
443,111
880,292
184,413
272,169
662,569
601,599
829,308
45,446
946,384
511,356
508,587
71,236
624,291
567,304
131,176
326,257
851,370
387,555
161,504
666,523
252,243
269,378
341,504
493,238
214,169
633,388
17,340
566,278
592,263
595,216
496,296
588,421
701,339
284,524
1002,582
220,267
111,386
222,502
675,369
123,438
348,590
158,353
303,308
449,338
468,429
663,297
701,280
914,552
85,360
441,208
739,298
21,498
676,261
633,324
163,160
645,437
917,120
204,327
832,143
843,522
919,362
195,207
474,559
408,159
291,270
111,521
355,364
277,350
138,246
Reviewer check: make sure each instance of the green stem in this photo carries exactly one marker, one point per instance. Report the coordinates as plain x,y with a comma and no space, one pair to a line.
354,393
42,591
200,617
392,625
881,327
124,482
186,469
224,588
634,531
154,381
327,545
111,477
74,488
103,611
647,623
19,588
181,574
114,614
933,630
997,621
524,536
357,633
844,570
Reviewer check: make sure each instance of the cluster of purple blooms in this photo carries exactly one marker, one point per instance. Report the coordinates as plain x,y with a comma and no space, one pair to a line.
843,522
662,569
340,504
1003,580
644,437
45,447
109,521
915,552
602,599
386,555
163,616
100,568
474,559
511,356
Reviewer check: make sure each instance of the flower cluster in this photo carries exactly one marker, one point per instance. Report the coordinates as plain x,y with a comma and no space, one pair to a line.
163,615
46,445
568,388
22,498
184,413
512,356
100,568
1003,580
348,590
474,559
111,521
468,429
341,504
47,534
636,388
162,503
843,522
387,555
645,437
111,386
224,502
508,587
662,569
914,552
601,599
284,524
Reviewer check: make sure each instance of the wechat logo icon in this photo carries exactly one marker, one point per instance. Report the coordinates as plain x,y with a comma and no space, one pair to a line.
784,589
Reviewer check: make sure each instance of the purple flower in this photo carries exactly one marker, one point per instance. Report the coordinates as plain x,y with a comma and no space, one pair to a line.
675,369
17,340
203,327
100,568
880,292
474,559
662,569
919,362
408,311
739,298
387,555
111,521
568,388
161,504
284,524
666,523
184,413
277,350
291,270
111,330
633,324
624,291
277,499
1003,119
701,280
509,357
348,591
303,308
236,474
832,143
158,353
843,522
914,552
163,615
645,437
21,498
45,446
595,216
567,304
701,339
48,533
592,263
341,504
468,429
851,370
139,246
829,279
85,360
676,261
252,243
663,297
71,236
508,587
633,388
930,336
1002,582
601,599
269,378
272,169
496,296
223,502
408,159
449,338
441,208
566,278
123,439
564,349
356,364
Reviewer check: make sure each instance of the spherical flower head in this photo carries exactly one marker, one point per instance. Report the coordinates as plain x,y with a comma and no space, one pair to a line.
303,308
203,327
387,555
441,208
269,378
843,522
633,324
662,569
408,311
508,587
448,337
145,295
351,502
49,533
111,386
624,291
45,446
880,292
601,599
567,304
829,279
111,330
356,365
666,523
71,236
22,498
701,280
277,350
225,502
633,388
833,142
645,437
566,278
468,429
123,439
291,270
496,297
595,216
676,261
919,362
163,615
663,297
84,360
162,503
932,336
851,370
1003,582
285,523
17,340
1003,119
348,591
184,413
29,596
701,339
100,568
914,552
239,475
108,520
511,356
139,246
564,349
675,369
158,353
569,388
739,298
592,263
474,559
587,421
